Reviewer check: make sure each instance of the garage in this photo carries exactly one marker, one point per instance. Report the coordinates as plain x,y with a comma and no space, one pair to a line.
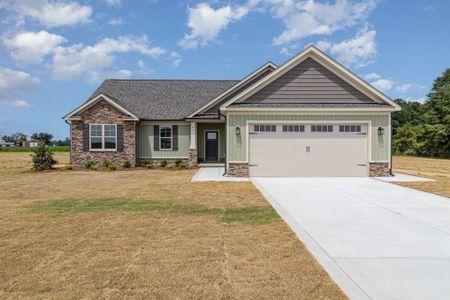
308,150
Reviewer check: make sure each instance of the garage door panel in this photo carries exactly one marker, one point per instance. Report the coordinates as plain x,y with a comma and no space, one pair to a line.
330,154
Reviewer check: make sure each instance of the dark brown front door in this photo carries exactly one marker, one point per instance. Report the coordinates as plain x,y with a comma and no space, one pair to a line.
211,146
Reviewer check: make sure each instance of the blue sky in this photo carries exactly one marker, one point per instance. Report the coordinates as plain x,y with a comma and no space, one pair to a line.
53,54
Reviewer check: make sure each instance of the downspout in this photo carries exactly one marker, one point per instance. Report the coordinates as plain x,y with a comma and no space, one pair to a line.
390,144
226,142
70,153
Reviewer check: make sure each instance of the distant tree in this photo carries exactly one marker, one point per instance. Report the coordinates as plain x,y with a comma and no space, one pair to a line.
17,138
44,137
65,142
438,104
411,113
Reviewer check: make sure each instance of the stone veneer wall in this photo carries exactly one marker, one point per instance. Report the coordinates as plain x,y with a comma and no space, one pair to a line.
103,113
193,158
238,169
377,169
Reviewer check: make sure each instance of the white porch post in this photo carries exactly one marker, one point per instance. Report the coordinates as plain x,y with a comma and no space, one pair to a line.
193,135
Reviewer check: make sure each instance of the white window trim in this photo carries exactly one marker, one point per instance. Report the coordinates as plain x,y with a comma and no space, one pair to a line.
103,138
171,137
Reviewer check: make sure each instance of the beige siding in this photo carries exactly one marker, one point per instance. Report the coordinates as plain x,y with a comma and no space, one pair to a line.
145,143
201,128
237,148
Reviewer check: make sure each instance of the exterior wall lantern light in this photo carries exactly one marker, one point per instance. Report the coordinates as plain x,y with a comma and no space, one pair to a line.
380,130
238,130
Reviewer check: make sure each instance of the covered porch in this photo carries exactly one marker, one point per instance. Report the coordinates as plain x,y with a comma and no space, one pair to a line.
208,142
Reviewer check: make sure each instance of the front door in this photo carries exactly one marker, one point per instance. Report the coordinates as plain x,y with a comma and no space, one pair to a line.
211,146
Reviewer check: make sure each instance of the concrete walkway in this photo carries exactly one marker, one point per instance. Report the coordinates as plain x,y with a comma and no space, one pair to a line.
377,240
214,174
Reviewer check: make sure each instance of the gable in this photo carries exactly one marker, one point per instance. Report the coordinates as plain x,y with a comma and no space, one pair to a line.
309,82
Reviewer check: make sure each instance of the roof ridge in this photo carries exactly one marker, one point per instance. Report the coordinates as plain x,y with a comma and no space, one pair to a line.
113,79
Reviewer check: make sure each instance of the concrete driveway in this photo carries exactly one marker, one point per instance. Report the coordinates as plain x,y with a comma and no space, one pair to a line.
376,239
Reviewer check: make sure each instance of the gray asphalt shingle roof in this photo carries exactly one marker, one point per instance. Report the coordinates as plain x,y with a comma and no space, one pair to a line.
163,99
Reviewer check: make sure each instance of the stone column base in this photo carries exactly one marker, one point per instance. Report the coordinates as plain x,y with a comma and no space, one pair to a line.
193,158
238,170
378,169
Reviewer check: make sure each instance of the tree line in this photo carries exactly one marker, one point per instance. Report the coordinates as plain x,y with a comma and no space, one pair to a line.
424,129
45,138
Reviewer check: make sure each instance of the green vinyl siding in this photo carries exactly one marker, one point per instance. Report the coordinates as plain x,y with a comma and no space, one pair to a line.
237,150
145,140
201,128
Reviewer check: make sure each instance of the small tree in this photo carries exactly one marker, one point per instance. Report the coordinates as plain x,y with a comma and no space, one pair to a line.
44,137
42,158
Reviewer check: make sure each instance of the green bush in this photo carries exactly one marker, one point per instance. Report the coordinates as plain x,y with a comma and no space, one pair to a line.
179,161
68,167
168,167
112,167
163,163
88,164
148,165
93,167
126,164
42,159
106,163
181,165
32,149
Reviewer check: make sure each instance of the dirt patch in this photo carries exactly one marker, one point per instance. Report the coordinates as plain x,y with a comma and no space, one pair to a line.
147,234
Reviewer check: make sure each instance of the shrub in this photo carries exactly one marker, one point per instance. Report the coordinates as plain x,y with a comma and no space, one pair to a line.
181,165
42,159
168,167
106,163
179,161
112,167
148,165
93,167
163,163
68,167
126,164
88,164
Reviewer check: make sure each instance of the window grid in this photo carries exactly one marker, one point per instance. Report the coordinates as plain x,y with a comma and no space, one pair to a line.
103,137
293,128
349,128
165,138
321,128
265,128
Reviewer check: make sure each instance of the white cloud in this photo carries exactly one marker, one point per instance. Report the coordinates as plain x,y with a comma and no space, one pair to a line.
372,76
31,47
12,83
403,88
323,45
94,77
206,23
143,69
78,60
113,2
358,51
115,21
285,51
307,18
50,13
383,85
175,57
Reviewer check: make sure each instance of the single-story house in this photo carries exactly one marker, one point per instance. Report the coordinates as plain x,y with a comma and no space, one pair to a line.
4,144
310,116
31,143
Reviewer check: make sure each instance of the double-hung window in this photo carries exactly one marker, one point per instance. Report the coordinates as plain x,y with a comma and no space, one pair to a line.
103,137
165,137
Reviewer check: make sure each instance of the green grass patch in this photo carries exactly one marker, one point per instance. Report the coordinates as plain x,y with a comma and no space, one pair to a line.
29,149
252,215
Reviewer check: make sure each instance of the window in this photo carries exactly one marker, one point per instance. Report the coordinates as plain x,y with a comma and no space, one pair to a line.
321,128
165,138
265,128
293,128
103,136
349,128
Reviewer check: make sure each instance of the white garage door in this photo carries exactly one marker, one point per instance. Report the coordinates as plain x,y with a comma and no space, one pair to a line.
308,150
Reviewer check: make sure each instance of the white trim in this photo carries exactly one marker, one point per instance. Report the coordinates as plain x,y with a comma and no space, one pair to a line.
312,51
95,100
164,123
103,149
307,113
368,122
171,138
390,142
305,109
193,136
218,143
235,87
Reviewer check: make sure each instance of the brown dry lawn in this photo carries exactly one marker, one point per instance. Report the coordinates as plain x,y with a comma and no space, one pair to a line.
145,234
437,169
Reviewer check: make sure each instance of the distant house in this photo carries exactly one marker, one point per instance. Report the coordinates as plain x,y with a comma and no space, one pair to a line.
31,143
4,144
